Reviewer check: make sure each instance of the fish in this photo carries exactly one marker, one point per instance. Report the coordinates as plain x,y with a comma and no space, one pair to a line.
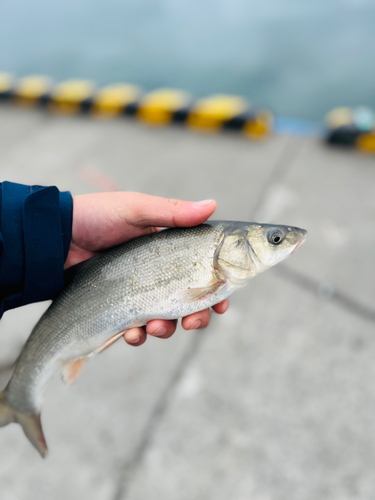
167,275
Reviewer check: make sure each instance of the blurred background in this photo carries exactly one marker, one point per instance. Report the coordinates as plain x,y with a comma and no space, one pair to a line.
274,400
297,57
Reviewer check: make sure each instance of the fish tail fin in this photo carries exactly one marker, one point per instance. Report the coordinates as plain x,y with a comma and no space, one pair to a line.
6,413
32,427
30,424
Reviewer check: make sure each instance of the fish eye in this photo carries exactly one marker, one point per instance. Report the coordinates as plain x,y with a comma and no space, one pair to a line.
275,237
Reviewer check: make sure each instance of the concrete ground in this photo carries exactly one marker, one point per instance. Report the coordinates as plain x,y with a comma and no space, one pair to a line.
275,400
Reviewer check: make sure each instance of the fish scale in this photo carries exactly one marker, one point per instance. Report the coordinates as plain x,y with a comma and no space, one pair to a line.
164,275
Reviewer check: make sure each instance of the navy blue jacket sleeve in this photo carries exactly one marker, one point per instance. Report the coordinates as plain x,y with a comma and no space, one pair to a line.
35,235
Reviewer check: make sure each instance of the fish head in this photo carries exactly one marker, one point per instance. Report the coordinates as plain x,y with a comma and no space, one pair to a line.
270,244
249,249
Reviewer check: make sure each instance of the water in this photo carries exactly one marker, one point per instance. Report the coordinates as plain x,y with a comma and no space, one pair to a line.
298,57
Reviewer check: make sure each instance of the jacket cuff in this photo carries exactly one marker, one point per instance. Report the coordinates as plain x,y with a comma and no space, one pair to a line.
36,230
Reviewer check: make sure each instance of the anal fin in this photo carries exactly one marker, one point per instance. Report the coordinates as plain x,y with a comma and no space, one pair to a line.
72,370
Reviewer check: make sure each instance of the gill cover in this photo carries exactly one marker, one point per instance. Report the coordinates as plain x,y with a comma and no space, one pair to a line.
232,258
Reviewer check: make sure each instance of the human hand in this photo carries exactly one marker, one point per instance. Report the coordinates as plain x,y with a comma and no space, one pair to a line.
103,220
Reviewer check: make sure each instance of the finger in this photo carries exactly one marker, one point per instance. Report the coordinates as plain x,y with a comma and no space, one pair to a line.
145,210
135,336
161,328
221,307
196,321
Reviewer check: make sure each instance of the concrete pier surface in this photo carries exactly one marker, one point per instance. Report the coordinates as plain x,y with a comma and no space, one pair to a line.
275,400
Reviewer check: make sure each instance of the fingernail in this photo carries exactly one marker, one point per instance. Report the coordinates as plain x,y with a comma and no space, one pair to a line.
202,203
135,340
160,331
196,325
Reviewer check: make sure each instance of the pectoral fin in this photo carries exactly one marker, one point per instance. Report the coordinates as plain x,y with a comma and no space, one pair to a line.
198,294
72,370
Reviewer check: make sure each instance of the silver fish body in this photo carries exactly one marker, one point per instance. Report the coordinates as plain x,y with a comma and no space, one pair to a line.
164,275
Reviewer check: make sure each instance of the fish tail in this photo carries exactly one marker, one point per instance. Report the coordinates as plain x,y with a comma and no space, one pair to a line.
30,424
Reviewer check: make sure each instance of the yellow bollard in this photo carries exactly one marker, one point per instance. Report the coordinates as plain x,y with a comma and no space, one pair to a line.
114,100
30,91
6,85
366,142
71,97
228,112
260,125
161,106
339,117
210,114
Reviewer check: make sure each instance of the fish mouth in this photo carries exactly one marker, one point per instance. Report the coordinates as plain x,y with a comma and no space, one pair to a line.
301,242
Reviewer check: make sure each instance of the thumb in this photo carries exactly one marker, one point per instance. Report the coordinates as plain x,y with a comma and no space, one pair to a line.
103,220
145,210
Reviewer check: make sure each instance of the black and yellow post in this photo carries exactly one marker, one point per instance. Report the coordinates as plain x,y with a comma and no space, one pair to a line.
164,106
161,107
366,142
344,128
115,100
32,90
6,86
226,112
72,97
